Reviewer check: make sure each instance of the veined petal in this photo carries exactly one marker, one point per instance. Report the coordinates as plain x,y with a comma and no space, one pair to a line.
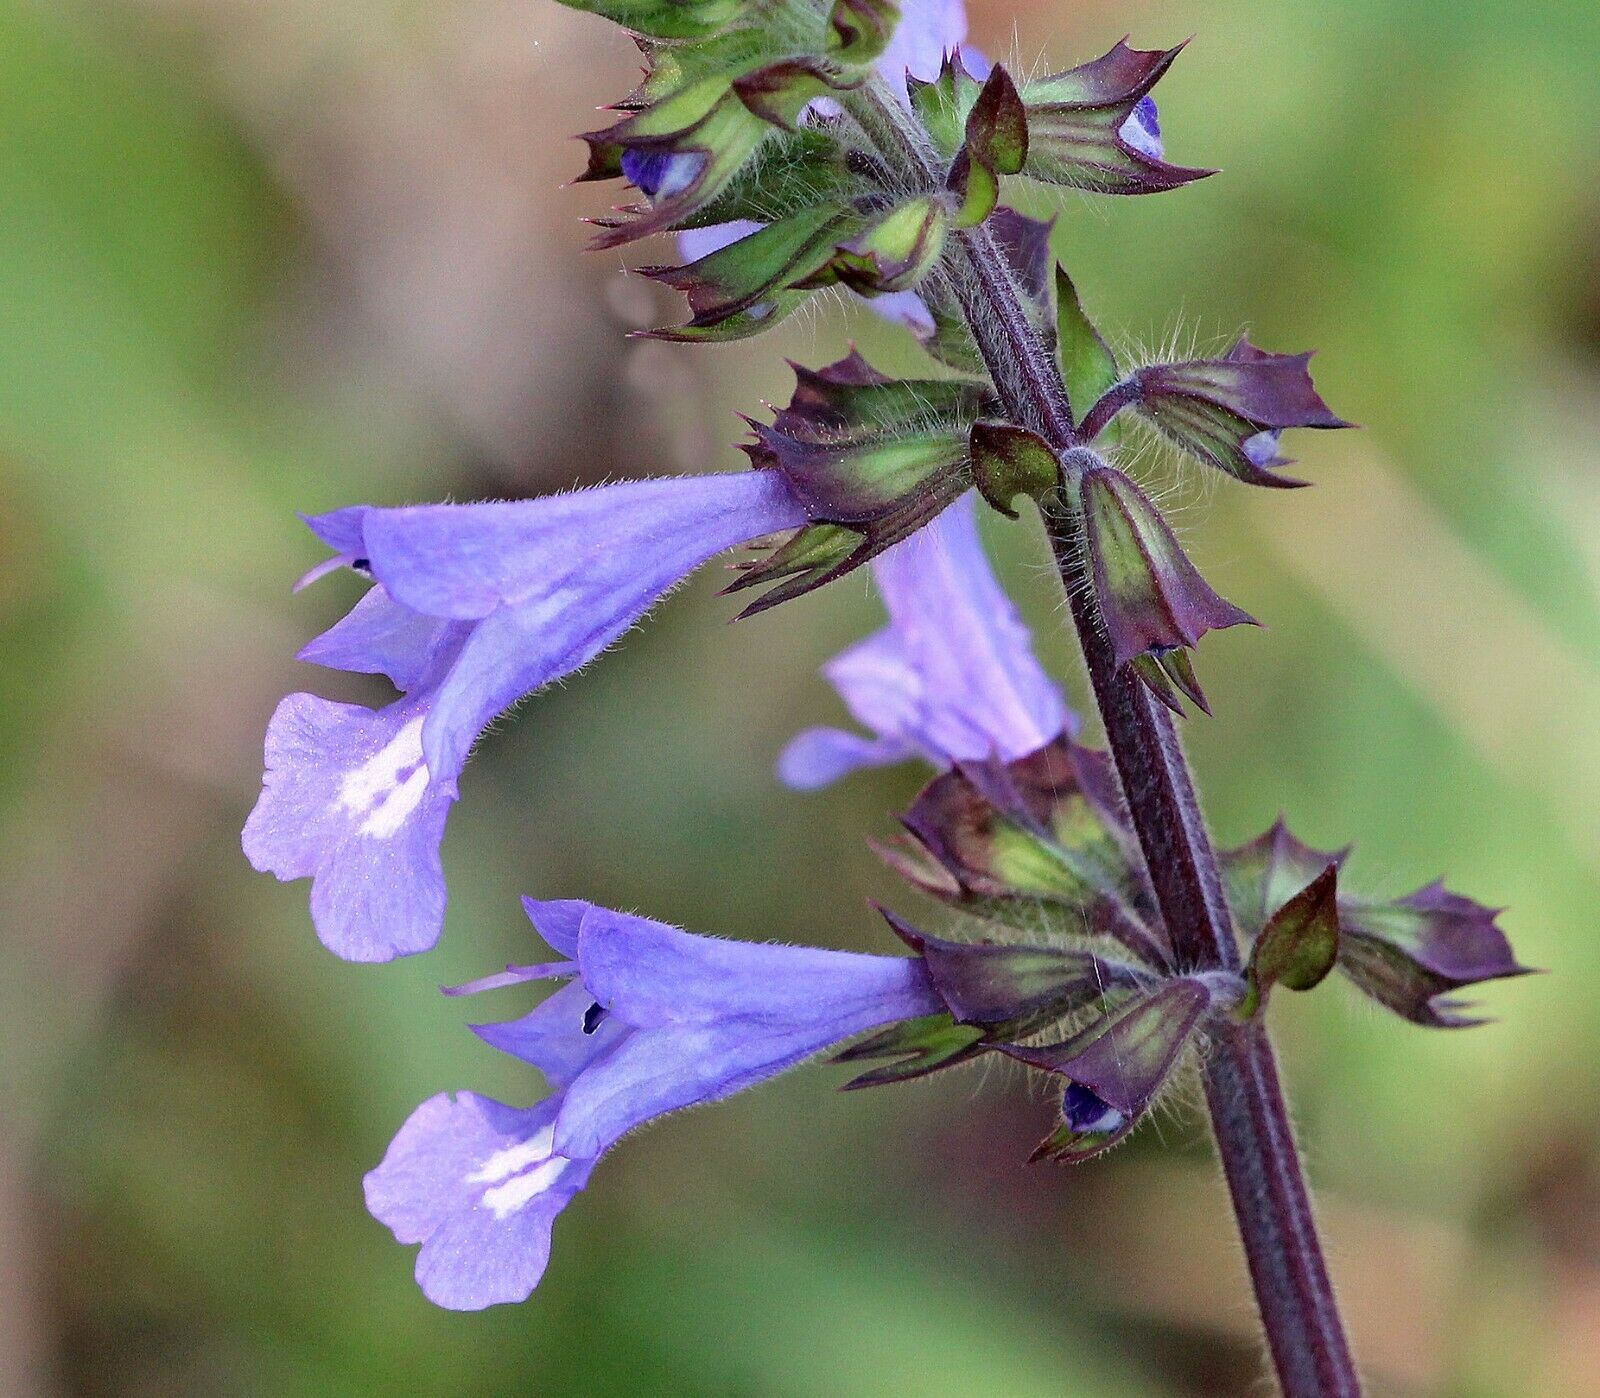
348,802
479,1185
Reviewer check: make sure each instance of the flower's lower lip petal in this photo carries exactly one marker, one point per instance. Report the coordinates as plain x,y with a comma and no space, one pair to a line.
347,802
424,1175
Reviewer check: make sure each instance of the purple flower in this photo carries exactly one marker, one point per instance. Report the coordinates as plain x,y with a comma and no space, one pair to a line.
655,1019
951,678
662,174
476,606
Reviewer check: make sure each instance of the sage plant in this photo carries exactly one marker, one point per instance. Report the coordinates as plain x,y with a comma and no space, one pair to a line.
1087,927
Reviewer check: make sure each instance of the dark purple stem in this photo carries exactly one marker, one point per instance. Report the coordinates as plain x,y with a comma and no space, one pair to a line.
1248,1115
1110,403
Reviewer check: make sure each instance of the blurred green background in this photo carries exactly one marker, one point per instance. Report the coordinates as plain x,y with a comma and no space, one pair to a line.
260,256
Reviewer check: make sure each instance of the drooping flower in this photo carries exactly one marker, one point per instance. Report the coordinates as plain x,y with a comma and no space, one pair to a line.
654,1019
475,607
952,677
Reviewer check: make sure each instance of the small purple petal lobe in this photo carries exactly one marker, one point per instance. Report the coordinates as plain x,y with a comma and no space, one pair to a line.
1084,1111
662,174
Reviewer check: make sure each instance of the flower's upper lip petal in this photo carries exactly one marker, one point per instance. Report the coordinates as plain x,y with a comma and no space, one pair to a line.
651,974
557,920
572,551
341,530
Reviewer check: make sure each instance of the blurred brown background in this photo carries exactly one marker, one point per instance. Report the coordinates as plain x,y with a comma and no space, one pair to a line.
260,256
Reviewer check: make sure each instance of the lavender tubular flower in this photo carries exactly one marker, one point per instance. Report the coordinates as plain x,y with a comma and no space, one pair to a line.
952,677
656,1019
476,607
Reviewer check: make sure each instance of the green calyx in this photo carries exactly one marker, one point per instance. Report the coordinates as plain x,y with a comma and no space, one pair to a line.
995,143
666,19
1299,945
1039,842
1009,461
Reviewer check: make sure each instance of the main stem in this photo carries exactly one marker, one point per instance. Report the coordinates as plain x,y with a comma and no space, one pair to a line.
1248,1114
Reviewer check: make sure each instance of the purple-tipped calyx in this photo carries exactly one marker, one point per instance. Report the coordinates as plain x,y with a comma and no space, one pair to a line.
1117,1065
1095,127
1038,842
873,459
1412,954
1152,600
1229,413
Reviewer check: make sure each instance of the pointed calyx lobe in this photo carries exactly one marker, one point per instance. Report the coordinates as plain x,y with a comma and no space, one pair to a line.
1410,954
1039,843
993,993
748,285
1228,413
1117,1065
873,459
995,144
1078,126
1152,600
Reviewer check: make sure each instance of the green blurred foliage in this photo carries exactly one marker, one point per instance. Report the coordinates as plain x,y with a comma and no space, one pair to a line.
191,349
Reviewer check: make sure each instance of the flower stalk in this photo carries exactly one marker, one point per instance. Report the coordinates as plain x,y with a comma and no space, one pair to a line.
1249,1117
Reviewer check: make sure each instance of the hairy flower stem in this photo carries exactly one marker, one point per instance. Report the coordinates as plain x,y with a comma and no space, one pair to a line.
1248,1114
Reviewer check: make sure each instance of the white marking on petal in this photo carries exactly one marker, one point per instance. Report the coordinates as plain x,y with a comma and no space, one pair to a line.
518,1157
507,1198
390,814
377,790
